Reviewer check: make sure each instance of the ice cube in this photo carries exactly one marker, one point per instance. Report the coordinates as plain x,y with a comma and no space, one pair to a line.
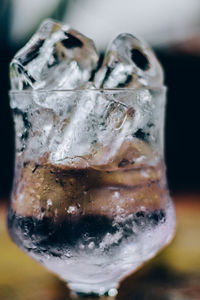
129,62
56,57
99,134
97,125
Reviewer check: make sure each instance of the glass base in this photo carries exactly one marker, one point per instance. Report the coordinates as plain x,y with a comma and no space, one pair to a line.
89,292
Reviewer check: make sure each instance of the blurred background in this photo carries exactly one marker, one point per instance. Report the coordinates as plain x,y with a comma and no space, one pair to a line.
171,27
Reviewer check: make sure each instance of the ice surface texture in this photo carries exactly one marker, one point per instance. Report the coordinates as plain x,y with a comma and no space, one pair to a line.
58,57
129,62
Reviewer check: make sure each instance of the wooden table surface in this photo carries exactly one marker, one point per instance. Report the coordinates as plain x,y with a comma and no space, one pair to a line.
173,275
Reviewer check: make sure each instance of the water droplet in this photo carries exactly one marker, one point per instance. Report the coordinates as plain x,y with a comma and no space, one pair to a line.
143,208
71,209
68,254
49,202
81,246
116,195
144,173
91,245
21,197
112,292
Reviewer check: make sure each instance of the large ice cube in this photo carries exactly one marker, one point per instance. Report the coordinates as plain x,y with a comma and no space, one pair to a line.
56,57
129,62
95,124
99,133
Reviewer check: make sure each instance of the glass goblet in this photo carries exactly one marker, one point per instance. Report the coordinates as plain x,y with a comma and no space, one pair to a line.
90,200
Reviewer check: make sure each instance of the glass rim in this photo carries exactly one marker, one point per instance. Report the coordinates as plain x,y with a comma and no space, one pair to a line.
163,87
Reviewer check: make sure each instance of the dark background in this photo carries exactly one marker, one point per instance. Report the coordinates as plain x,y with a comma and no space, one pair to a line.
182,148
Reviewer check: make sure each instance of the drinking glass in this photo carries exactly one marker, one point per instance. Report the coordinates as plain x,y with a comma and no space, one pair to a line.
90,200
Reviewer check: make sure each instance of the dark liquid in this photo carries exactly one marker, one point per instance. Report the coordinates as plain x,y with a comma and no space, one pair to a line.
47,236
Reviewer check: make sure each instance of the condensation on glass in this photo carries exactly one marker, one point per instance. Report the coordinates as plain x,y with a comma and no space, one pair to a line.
90,200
